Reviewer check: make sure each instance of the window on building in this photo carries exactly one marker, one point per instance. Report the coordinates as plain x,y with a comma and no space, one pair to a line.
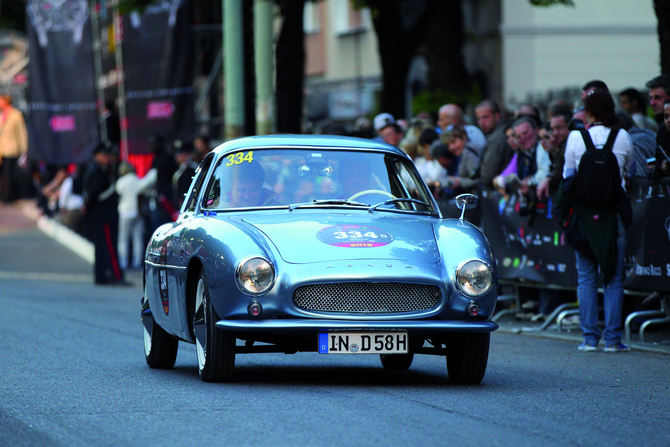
347,19
312,19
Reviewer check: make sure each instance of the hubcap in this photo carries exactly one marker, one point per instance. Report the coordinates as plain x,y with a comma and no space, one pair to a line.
200,323
147,342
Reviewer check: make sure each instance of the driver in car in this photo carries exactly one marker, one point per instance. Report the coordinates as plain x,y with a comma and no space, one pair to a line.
354,175
246,187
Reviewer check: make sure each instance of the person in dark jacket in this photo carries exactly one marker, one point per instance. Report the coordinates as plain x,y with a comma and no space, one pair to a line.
498,153
181,180
165,165
101,212
112,122
662,166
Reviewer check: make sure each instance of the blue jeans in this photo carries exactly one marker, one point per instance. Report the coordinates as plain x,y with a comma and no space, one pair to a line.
587,294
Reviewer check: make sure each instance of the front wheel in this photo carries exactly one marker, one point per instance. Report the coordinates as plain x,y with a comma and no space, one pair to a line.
215,348
467,357
396,362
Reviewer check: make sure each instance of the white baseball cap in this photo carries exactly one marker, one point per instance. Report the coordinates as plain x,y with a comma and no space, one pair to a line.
382,120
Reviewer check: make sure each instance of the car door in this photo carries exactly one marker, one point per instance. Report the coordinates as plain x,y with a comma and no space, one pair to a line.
179,244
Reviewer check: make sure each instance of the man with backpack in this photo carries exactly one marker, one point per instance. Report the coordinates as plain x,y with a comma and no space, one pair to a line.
596,164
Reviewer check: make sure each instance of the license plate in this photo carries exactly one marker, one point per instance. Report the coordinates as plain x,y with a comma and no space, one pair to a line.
363,343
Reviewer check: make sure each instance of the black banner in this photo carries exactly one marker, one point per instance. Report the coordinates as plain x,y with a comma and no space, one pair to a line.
649,239
532,247
158,58
63,118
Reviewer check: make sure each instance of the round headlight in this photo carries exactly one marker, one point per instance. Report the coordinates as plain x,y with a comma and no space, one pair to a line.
255,275
474,278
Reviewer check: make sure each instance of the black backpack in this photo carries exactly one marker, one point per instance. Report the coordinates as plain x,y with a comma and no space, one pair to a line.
598,181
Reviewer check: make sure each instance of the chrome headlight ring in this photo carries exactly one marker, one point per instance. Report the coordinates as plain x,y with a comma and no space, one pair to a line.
254,275
474,278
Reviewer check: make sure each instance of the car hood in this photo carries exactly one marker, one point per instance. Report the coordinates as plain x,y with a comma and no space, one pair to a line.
310,237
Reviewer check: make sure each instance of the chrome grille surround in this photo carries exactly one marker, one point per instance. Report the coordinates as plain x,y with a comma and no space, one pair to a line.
362,297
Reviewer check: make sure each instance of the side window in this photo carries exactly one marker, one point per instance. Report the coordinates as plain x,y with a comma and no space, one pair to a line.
201,173
409,184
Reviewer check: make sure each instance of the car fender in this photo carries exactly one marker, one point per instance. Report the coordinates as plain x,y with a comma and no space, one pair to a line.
464,241
220,243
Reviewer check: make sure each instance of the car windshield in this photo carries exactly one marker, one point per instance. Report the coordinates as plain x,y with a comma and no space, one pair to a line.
315,177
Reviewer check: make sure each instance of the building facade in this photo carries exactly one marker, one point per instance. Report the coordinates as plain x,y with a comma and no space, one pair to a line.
517,53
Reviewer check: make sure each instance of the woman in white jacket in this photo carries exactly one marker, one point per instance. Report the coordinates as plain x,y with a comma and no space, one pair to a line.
131,225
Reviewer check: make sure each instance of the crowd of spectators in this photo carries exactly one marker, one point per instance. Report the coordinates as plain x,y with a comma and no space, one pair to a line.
522,153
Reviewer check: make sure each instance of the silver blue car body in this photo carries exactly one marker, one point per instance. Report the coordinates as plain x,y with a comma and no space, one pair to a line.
309,261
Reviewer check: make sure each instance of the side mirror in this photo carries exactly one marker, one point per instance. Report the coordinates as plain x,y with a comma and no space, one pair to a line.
466,202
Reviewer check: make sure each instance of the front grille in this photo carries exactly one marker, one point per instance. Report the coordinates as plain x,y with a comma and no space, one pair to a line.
367,297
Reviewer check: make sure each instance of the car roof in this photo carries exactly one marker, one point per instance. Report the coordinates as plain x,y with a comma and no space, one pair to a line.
307,141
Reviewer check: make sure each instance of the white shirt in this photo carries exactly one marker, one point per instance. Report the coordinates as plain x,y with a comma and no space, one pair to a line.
432,171
67,200
623,149
128,187
543,163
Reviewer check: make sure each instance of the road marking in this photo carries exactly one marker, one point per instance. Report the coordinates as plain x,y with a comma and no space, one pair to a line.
35,276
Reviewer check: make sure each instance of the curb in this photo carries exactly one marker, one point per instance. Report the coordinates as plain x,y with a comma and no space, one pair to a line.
577,338
67,238
60,233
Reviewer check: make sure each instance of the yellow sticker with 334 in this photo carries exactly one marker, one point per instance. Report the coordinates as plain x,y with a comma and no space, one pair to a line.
239,158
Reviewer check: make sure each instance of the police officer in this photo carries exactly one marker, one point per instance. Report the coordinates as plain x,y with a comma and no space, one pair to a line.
101,211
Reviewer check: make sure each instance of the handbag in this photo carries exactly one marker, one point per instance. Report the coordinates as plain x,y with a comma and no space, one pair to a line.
575,234
568,219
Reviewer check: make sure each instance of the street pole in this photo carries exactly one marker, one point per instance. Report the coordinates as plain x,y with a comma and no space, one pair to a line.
95,24
233,68
263,53
118,39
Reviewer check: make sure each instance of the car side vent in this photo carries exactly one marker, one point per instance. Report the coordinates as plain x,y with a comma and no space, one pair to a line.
367,297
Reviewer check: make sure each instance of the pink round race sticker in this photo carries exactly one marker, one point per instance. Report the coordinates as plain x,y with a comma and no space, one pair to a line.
354,236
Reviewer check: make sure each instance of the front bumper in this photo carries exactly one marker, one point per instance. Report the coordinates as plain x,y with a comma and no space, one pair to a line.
310,325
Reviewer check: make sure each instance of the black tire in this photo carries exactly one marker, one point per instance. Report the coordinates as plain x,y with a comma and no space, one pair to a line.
215,348
160,348
396,362
467,357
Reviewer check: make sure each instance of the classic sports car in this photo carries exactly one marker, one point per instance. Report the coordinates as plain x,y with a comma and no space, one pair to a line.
325,244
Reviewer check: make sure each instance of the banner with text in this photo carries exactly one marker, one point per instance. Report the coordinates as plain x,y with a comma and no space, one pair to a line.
158,59
63,118
649,240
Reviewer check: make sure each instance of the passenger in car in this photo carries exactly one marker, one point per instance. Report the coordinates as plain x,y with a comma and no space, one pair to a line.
246,187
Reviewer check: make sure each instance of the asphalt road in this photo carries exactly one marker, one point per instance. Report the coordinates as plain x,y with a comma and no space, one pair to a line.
72,373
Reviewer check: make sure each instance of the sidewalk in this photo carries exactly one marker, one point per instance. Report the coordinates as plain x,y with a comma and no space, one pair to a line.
657,340
24,214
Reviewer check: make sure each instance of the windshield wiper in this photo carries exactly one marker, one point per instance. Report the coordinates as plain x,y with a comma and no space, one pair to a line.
327,202
390,201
